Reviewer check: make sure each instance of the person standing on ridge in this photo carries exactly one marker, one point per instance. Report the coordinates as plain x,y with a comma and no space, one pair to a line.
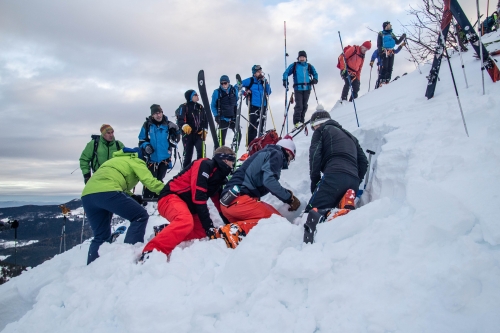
157,137
256,90
386,41
192,120
355,57
99,150
375,55
304,76
224,103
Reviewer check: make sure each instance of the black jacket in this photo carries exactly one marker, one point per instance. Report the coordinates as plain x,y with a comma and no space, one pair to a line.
333,149
193,114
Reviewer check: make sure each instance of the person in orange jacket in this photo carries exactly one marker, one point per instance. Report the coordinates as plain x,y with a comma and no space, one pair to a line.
355,57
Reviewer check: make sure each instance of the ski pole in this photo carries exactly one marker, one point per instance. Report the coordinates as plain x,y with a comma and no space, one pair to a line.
370,81
286,114
81,235
480,52
286,90
460,53
349,79
370,153
271,112
314,89
249,123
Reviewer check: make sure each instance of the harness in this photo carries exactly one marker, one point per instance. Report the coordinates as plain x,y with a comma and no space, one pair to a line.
96,139
294,70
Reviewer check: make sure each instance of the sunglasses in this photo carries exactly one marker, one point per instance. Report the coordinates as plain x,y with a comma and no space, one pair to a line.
224,83
258,68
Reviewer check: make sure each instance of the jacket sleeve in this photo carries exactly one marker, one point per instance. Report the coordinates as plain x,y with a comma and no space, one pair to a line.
271,174
358,73
213,105
120,144
362,162
400,40
142,136
396,51
315,74
268,88
204,121
145,177
86,157
246,82
199,192
374,55
379,43
315,155
287,72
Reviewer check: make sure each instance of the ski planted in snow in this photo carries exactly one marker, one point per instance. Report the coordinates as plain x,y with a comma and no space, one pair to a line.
117,233
206,105
235,145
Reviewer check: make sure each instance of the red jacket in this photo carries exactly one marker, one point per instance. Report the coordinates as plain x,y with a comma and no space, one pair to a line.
355,60
200,180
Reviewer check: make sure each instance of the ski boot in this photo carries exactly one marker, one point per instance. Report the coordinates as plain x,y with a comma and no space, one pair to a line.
346,204
313,218
232,234
116,234
158,228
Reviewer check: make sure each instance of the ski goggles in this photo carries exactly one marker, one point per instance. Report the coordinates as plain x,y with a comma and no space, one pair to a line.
228,157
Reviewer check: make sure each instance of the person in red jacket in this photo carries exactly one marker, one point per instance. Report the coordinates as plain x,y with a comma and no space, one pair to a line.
183,201
355,57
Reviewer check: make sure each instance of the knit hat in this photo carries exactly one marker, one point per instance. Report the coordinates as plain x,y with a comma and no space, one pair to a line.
385,24
189,95
155,108
224,78
106,128
319,117
367,44
302,54
288,144
256,68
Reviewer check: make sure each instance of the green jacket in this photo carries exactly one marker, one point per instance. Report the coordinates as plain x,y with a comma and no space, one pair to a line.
105,151
122,173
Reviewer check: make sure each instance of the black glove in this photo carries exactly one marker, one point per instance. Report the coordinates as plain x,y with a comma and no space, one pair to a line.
148,150
137,198
14,224
285,83
217,119
314,81
404,35
86,177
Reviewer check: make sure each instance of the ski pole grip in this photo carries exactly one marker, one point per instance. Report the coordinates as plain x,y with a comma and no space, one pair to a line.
370,152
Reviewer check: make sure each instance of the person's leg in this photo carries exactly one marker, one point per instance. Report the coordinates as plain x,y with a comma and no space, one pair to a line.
181,225
355,88
299,106
224,125
254,120
100,222
305,101
345,90
390,61
385,69
198,144
188,149
162,170
198,231
331,190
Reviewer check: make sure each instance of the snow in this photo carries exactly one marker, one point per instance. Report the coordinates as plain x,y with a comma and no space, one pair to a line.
4,257
6,244
421,254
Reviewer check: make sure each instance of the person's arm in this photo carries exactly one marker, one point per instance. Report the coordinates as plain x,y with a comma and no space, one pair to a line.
315,154
204,121
86,158
396,51
199,195
374,56
315,74
181,117
379,43
120,144
142,136
288,72
271,174
213,105
145,177
362,162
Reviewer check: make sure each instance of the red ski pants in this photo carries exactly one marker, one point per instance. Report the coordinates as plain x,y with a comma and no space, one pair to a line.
183,225
247,212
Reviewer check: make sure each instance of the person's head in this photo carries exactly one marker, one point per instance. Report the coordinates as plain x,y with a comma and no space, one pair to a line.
226,154
365,46
135,150
224,81
319,117
386,25
107,132
156,112
257,71
302,56
288,146
191,96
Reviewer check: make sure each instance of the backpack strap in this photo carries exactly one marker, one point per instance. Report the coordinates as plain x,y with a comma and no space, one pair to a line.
93,165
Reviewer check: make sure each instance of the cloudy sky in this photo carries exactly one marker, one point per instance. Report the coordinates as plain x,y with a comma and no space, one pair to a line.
66,67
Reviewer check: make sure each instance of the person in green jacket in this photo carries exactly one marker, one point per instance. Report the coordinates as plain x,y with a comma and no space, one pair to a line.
99,150
108,192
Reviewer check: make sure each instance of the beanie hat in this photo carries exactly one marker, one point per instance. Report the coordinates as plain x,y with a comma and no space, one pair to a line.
224,78
385,24
155,108
105,128
367,44
319,117
256,68
136,150
302,54
288,144
189,95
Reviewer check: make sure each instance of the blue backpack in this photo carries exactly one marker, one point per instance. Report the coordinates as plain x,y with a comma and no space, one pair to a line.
388,41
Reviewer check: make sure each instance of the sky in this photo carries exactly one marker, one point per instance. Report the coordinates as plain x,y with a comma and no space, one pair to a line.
67,67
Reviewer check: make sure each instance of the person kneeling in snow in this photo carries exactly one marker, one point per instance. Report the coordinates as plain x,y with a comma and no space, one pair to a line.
259,175
337,154
183,201
108,192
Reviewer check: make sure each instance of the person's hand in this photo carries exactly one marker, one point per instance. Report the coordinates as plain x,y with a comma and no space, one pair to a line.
86,177
314,81
148,150
295,204
187,129
137,198
217,119
371,63
285,84
213,233
403,44
14,224
203,134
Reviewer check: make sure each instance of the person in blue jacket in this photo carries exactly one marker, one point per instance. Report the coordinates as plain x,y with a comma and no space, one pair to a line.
224,101
304,76
386,41
157,138
256,90
375,55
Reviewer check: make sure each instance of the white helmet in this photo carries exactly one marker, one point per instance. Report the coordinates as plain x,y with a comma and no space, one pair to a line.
288,144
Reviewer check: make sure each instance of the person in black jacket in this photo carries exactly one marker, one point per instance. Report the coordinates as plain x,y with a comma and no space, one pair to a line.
337,154
192,120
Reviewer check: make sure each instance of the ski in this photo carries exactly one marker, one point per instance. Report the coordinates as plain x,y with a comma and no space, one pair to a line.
299,129
117,233
206,105
235,145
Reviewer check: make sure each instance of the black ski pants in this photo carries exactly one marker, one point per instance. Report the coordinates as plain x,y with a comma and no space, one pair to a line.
300,109
254,120
222,132
355,88
191,142
386,69
331,189
158,170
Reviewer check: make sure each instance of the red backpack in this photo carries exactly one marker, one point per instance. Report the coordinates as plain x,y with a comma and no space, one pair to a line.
269,138
340,60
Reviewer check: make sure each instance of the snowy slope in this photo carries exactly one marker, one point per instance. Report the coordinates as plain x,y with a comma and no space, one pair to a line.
421,255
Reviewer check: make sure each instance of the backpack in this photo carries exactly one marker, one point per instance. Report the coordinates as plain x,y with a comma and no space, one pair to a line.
269,138
341,58
388,41
96,139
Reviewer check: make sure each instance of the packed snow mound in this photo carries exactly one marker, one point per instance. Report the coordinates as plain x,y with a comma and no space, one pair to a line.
422,253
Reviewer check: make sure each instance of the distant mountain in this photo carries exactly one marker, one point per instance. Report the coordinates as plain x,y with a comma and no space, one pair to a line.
5,204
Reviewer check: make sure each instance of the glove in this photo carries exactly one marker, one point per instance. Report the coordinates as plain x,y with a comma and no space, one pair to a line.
314,81
148,150
203,134
247,93
371,63
294,203
403,43
14,224
137,198
343,73
213,233
285,83
403,35
187,129
86,177
217,119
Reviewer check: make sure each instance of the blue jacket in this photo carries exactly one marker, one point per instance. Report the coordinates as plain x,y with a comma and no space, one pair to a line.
215,97
260,174
302,75
257,90
376,56
157,136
